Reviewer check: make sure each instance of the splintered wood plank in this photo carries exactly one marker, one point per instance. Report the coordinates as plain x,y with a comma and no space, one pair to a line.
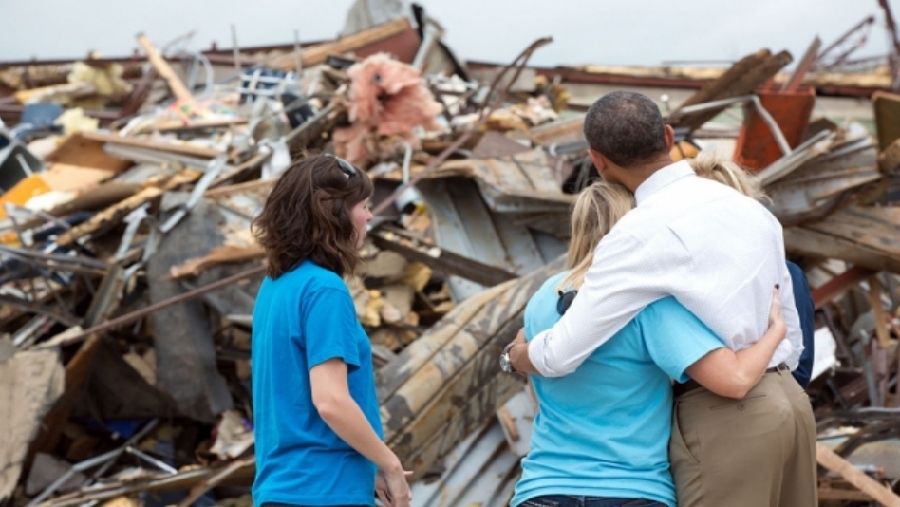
179,90
187,149
880,493
316,55
886,107
108,218
459,386
878,313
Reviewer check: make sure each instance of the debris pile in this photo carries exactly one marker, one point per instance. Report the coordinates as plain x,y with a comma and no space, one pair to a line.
128,269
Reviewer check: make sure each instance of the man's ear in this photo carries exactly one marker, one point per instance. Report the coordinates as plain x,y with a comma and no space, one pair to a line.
670,138
599,160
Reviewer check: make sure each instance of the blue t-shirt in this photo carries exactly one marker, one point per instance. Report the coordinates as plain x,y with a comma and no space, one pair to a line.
300,320
603,430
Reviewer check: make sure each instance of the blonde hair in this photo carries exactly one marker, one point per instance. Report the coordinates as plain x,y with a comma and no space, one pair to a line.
594,214
708,165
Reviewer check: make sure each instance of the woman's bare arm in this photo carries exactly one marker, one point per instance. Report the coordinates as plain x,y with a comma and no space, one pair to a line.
331,397
733,374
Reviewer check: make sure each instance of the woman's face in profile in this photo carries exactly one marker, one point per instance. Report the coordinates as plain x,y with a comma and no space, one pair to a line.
360,216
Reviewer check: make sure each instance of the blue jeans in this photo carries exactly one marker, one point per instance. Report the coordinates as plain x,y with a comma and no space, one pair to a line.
586,501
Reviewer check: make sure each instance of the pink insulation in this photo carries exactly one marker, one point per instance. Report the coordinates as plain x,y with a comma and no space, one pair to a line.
387,98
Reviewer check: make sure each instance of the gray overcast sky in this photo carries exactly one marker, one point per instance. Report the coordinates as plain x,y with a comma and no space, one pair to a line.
631,32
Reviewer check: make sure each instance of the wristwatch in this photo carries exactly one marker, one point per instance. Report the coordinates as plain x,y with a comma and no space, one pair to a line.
505,363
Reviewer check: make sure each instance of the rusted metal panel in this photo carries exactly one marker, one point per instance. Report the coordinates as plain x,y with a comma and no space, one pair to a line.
839,285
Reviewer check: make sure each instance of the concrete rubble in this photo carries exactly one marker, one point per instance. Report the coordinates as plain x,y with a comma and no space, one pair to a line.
128,270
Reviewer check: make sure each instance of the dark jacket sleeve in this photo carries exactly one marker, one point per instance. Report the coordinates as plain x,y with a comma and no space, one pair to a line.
806,312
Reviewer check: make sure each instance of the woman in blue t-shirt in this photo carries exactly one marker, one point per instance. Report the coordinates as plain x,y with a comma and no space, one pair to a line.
601,434
318,434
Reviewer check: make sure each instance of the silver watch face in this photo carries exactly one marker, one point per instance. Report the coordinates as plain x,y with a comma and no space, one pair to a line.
504,362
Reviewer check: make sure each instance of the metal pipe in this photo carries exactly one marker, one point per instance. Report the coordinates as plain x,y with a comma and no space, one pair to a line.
298,54
181,298
84,465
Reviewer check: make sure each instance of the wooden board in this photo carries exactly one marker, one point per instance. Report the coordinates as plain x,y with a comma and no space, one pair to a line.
886,108
81,151
449,382
828,459
317,55
187,149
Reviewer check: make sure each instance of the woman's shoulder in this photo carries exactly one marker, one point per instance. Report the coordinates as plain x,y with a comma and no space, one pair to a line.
540,312
668,311
552,283
310,277
548,290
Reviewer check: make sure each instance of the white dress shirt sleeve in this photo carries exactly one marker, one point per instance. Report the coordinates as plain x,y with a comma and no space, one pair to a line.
791,347
624,278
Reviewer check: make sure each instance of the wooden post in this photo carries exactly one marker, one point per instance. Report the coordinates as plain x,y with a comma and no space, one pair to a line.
828,459
165,70
884,337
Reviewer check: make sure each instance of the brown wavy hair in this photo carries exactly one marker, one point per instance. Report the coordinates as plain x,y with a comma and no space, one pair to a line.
308,216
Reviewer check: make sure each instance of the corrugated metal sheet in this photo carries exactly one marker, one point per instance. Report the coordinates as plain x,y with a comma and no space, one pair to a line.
507,213
481,471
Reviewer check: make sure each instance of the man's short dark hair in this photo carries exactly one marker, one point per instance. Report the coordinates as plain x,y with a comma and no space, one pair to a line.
625,127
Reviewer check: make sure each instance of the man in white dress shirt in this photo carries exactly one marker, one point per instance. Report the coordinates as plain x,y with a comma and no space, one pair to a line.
720,254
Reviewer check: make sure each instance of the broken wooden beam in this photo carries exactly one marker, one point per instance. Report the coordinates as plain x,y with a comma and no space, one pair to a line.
108,218
878,492
839,285
316,55
179,90
187,149
878,313
741,79
445,261
806,63
421,390
225,254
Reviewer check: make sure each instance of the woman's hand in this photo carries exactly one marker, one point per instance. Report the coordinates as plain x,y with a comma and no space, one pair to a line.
392,488
776,319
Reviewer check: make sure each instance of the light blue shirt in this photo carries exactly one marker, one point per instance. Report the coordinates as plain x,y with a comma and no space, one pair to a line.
603,430
300,320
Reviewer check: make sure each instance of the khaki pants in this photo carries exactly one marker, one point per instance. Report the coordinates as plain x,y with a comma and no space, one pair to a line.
755,452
